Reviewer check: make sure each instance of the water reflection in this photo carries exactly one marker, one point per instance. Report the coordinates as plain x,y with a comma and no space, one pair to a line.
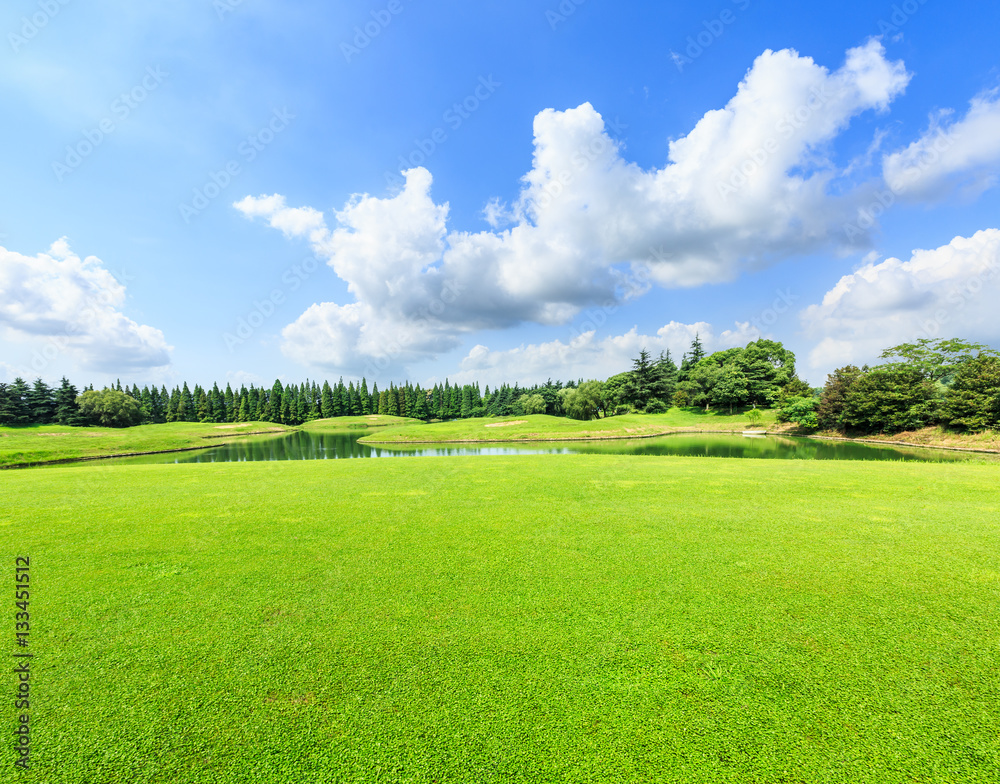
340,445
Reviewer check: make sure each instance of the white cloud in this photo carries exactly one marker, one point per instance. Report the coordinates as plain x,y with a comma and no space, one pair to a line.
241,378
963,155
949,291
65,303
587,356
747,186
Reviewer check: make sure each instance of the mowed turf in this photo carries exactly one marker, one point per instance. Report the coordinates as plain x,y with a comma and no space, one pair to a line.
524,619
541,427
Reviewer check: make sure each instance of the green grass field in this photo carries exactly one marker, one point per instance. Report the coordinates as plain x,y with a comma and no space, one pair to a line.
44,443
524,619
541,427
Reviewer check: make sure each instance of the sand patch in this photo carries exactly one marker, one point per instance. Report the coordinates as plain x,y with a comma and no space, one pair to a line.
505,424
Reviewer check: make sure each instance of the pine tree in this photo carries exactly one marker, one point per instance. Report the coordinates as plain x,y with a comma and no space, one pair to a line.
17,403
41,403
366,399
164,402
696,354
203,411
146,405
420,405
326,404
173,406
186,410
466,410
67,411
340,402
230,404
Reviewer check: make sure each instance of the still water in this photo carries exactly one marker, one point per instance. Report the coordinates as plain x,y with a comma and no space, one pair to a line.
339,445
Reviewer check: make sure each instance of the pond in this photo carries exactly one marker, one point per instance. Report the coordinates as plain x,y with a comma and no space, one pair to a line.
338,445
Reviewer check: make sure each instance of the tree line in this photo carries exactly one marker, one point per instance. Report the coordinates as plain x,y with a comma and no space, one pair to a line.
950,383
760,374
292,404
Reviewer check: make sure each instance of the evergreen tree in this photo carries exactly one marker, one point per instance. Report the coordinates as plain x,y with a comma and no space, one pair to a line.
186,410
642,381
420,410
164,402
366,399
830,414
254,408
466,406
696,353
41,403
67,409
326,404
202,406
340,402
667,382
230,404
146,405
18,411
173,406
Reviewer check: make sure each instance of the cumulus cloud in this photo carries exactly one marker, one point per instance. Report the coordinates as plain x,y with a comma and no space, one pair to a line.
963,155
949,291
750,184
588,356
74,305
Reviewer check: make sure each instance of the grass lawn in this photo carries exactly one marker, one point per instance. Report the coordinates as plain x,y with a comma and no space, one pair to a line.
541,427
40,443
524,619
357,422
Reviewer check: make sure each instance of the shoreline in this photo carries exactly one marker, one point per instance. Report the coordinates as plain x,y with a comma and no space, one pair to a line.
87,458
680,431
677,431
509,442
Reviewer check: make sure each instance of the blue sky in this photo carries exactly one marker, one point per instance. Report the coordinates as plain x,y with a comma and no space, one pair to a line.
238,191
